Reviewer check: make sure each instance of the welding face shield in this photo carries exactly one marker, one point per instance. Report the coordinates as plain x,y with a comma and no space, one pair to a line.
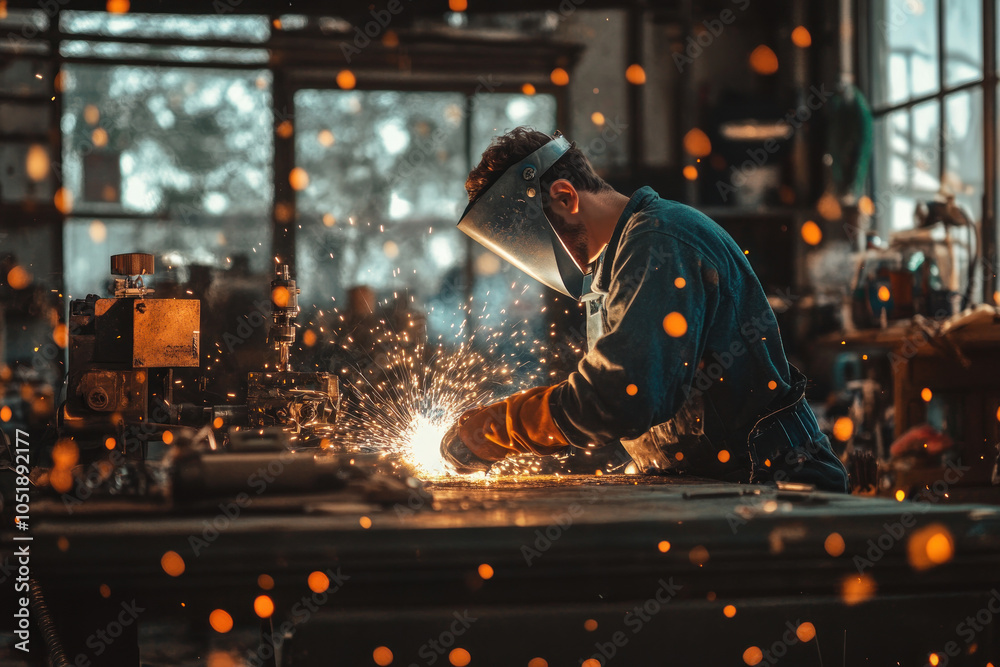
509,219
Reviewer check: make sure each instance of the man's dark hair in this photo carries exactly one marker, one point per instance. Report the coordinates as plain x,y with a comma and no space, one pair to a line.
512,147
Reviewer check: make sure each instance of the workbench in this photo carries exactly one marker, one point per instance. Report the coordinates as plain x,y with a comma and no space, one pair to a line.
621,569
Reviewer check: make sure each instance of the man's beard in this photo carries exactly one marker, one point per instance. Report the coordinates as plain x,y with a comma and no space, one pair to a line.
575,240
579,249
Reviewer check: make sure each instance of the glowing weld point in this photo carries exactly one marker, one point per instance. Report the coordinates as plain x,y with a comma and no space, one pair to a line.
423,443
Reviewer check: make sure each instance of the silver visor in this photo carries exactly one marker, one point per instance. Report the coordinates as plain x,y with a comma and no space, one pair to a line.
510,220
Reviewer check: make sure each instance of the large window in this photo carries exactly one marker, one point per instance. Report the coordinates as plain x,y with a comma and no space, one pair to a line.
170,158
381,190
178,156
927,80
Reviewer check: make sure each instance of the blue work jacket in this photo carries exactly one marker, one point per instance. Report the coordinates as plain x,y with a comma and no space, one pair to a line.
687,359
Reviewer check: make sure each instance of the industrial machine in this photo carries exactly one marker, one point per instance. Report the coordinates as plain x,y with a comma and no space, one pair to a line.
122,352
124,355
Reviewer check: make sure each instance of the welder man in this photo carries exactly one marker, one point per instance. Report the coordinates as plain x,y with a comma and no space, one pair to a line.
685,363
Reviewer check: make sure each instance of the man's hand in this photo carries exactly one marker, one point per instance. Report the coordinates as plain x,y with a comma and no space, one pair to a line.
519,424
457,454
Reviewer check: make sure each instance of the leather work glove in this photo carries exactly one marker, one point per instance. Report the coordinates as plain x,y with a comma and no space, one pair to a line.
519,424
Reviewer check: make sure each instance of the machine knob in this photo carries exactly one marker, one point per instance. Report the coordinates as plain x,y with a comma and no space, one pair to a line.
132,264
97,399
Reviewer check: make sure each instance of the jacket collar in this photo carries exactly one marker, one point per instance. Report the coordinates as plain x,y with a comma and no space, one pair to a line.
639,200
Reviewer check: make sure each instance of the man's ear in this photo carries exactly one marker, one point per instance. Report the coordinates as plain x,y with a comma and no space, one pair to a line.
564,198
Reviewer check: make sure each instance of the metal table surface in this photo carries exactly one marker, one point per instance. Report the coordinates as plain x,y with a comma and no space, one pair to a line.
579,567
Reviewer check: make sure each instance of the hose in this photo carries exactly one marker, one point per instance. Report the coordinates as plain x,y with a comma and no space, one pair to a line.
47,626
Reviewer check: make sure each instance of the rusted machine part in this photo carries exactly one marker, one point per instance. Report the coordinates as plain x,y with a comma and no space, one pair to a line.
293,400
122,351
284,309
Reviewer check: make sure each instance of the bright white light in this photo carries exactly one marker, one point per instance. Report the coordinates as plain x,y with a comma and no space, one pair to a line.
215,203
399,207
422,446
518,110
442,251
165,118
394,138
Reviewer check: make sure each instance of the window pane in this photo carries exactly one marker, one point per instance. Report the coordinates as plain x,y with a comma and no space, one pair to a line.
27,173
31,248
385,174
163,140
907,162
964,149
905,51
963,41
19,77
380,156
494,114
187,152
205,26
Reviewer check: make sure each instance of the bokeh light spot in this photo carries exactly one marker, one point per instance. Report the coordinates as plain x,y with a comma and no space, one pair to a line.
346,79
635,74
675,325
263,606
752,656
763,60
801,37
172,563
298,178
382,656
221,621
834,544
697,143
843,428
811,233
18,277
857,589
318,582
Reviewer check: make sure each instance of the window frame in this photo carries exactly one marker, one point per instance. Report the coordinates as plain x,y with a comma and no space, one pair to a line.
865,14
302,58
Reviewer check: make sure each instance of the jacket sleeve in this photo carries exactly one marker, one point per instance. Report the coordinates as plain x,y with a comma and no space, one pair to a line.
662,298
